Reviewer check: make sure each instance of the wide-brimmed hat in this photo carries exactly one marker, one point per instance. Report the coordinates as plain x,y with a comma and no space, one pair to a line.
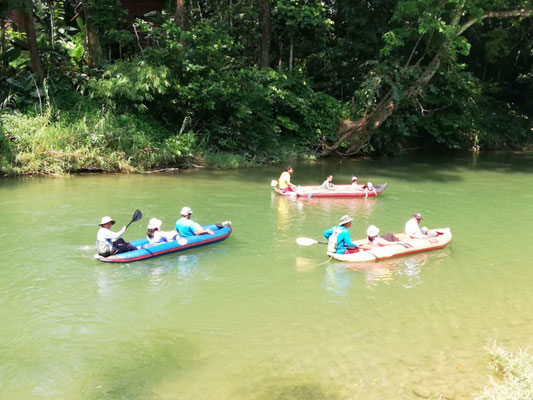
354,178
345,219
186,211
417,215
155,223
372,230
105,220
369,185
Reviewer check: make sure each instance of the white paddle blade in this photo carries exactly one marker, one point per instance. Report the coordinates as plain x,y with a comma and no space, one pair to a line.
274,183
306,241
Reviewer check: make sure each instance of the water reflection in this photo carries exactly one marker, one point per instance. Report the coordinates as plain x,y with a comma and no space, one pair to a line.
359,207
405,270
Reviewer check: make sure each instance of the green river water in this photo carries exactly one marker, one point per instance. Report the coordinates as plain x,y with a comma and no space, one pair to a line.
256,316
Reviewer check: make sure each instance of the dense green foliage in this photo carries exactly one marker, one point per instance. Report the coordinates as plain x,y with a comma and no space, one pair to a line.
150,93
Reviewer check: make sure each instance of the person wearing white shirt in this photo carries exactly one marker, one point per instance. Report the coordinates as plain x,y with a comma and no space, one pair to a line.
373,240
108,242
155,235
413,229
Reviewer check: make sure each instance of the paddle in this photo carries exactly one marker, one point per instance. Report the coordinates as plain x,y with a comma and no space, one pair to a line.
308,241
137,215
274,183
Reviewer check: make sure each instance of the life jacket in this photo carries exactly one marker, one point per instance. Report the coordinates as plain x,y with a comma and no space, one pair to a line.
332,241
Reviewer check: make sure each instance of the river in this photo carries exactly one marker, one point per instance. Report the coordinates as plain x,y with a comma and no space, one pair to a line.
256,316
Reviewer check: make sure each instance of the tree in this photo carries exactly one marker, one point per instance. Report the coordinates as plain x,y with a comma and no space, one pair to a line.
265,34
439,27
181,16
26,14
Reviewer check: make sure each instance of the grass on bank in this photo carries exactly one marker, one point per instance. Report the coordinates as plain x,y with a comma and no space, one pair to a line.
86,138
94,140
516,371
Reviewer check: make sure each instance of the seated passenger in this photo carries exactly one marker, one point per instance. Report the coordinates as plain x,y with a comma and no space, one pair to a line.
339,237
108,242
369,188
355,185
155,235
414,231
187,227
328,183
373,240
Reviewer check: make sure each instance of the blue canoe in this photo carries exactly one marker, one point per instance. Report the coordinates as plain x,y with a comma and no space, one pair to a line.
220,233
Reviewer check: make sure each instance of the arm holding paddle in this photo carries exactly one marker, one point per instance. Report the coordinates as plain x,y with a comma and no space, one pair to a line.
109,242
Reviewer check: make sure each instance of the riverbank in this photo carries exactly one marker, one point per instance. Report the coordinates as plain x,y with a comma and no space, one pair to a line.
87,139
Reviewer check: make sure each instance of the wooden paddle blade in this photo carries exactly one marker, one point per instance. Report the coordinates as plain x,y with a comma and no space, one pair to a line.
305,241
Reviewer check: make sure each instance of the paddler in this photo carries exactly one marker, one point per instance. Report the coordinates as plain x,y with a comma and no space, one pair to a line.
108,242
284,181
339,237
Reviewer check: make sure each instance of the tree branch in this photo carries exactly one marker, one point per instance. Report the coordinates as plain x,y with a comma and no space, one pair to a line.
521,12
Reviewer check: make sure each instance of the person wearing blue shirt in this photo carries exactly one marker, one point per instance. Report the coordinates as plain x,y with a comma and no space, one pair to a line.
339,237
187,227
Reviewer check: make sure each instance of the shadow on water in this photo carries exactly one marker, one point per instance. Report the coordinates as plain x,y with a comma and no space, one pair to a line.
290,390
133,377
427,167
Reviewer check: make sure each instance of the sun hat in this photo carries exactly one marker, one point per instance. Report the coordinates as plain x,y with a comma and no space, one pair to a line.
155,223
105,220
186,211
345,219
417,215
354,178
372,230
369,185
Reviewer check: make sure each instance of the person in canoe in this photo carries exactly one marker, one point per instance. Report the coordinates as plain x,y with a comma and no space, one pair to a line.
185,226
373,240
369,188
284,181
414,231
355,184
108,242
155,235
328,183
339,237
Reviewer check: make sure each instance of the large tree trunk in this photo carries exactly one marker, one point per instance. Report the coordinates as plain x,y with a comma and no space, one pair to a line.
265,34
93,39
181,16
358,133
26,14
3,42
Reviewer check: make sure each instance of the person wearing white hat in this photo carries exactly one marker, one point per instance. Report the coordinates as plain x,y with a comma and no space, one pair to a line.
187,227
109,242
339,237
369,188
373,240
155,235
414,231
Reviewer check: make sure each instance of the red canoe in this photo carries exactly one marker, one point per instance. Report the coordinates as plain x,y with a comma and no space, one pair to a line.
340,191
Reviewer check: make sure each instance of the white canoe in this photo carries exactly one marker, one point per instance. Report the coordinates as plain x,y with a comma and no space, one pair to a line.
403,248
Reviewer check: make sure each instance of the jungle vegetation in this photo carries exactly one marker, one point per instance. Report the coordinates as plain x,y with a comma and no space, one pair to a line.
102,85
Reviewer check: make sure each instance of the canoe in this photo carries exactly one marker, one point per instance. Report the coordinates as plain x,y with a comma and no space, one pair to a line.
409,246
220,233
340,191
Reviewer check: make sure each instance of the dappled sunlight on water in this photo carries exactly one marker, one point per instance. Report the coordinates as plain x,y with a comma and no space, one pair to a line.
257,316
